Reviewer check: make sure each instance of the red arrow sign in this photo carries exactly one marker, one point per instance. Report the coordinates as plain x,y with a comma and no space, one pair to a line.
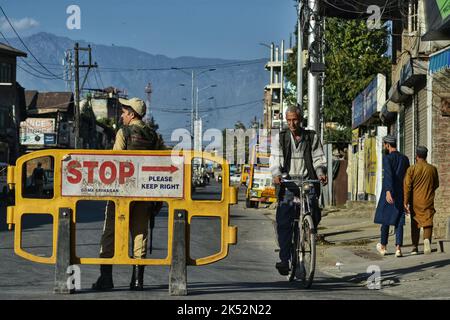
170,169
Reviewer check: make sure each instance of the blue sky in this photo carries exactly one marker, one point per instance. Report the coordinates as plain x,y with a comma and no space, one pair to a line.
229,29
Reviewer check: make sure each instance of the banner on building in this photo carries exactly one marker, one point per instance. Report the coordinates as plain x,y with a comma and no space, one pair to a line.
370,168
369,101
355,137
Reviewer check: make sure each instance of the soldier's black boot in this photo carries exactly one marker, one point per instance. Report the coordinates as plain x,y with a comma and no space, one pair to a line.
105,281
137,278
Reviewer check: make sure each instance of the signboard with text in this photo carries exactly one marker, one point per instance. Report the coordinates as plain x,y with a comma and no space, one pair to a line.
127,176
369,101
38,131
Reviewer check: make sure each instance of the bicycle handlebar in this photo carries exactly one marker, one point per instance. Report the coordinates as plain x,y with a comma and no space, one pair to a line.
299,181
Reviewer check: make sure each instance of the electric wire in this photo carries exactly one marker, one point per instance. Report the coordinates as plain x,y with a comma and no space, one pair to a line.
26,47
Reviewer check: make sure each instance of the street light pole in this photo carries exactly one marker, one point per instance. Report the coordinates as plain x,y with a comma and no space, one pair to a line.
193,77
196,102
192,110
196,106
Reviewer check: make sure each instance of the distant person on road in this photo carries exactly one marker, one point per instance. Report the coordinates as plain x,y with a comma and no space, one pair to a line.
390,211
420,184
134,135
38,179
298,153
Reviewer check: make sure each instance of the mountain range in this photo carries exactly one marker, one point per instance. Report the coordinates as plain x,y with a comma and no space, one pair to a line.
237,90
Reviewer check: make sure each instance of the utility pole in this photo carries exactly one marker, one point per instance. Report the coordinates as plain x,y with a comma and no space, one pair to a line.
78,89
313,83
77,98
299,56
68,72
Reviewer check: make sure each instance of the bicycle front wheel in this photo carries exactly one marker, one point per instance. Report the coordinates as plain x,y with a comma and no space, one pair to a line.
307,251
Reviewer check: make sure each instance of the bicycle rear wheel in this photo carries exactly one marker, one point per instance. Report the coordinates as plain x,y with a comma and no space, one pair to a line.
307,255
294,261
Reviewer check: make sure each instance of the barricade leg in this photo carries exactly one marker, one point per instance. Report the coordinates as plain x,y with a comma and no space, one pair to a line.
178,267
63,253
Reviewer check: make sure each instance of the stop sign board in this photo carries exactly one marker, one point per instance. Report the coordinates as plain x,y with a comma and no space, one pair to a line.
123,176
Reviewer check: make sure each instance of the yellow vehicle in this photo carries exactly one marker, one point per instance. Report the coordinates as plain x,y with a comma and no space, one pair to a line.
260,188
245,172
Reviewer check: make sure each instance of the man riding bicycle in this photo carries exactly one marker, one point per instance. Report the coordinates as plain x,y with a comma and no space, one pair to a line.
298,153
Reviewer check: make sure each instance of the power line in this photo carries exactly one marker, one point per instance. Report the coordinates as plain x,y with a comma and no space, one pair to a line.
356,5
224,65
96,80
100,77
43,75
210,109
26,47
342,9
51,65
34,75
227,64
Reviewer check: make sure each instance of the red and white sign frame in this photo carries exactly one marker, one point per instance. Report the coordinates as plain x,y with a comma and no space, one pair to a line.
131,175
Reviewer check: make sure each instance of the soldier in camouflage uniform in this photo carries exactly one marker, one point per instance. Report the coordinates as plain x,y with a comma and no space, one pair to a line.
134,135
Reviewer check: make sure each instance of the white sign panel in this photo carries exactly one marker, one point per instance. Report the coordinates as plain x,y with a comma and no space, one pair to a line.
123,176
33,131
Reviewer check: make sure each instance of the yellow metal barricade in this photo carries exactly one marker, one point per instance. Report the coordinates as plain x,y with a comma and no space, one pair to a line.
121,177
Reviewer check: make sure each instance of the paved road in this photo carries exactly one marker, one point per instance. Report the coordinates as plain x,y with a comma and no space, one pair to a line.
247,273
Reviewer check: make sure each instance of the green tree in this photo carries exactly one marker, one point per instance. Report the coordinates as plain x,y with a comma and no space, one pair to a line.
353,56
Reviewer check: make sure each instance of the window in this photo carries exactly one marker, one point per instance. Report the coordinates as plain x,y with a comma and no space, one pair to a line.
413,16
6,72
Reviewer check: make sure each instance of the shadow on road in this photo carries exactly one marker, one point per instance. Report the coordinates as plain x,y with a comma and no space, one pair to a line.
395,274
330,234
319,285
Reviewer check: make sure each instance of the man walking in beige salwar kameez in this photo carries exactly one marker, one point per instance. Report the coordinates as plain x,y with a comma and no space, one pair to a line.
420,184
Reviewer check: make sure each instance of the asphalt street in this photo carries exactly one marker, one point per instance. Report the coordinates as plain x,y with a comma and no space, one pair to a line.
247,273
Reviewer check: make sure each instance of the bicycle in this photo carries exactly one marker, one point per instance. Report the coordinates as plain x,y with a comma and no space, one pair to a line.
303,249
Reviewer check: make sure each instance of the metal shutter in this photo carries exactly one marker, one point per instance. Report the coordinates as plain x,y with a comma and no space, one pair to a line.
422,118
408,132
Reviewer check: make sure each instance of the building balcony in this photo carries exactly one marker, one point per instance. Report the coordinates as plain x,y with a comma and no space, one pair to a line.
274,64
273,86
276,107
